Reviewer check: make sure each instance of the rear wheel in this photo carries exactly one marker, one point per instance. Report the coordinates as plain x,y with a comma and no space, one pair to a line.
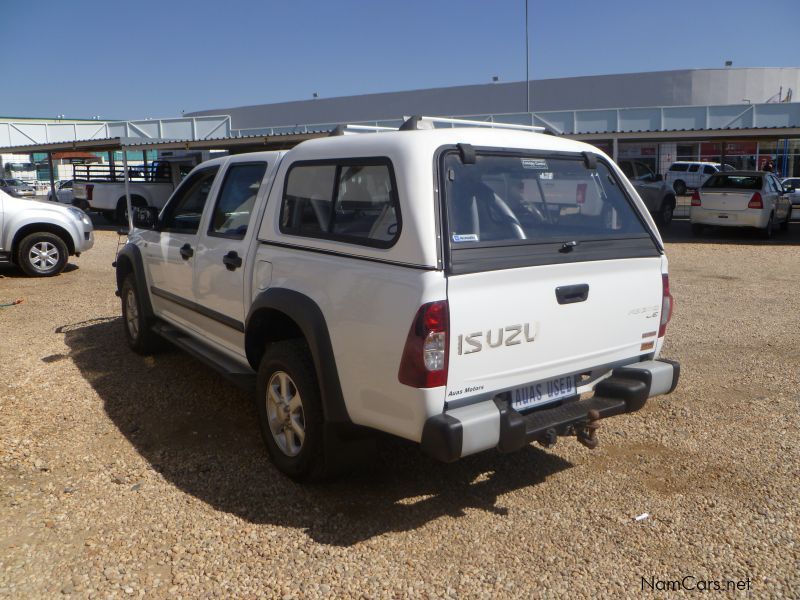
121,214
785,224
42,254
290,410
768,230
680,187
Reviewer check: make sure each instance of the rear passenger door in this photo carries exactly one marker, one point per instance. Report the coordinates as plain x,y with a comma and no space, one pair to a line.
222,252
693,176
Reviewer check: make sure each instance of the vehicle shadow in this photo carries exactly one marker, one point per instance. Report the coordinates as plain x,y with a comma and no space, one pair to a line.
201,434
680,231
14,272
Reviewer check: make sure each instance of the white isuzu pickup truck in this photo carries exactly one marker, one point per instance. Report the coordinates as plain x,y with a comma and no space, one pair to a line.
101,187
465,288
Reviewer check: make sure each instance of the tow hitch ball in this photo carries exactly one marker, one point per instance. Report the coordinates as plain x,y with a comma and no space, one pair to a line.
587,435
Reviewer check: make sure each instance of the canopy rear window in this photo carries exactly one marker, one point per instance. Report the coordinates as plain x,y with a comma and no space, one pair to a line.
508,210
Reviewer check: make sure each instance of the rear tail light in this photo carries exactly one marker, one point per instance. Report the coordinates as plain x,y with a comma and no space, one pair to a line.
425,356
756,201
696,198
580,194
666,305
89,191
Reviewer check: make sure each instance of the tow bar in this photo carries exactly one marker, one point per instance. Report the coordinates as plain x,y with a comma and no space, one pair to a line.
587,435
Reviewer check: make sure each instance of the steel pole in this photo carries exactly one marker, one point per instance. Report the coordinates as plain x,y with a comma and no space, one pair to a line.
127,188
527,66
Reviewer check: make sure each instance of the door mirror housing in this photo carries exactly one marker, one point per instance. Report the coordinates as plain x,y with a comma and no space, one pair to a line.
145,217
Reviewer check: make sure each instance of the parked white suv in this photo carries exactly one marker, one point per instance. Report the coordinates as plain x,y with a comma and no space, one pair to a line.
39,237
458,287
691,175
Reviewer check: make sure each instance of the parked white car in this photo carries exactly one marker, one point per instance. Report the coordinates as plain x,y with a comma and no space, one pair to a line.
462,288
39,237
64,193
684,175
791,185
741,199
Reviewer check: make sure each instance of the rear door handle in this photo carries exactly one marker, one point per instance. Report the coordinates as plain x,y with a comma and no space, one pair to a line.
232,260
186,252
569,294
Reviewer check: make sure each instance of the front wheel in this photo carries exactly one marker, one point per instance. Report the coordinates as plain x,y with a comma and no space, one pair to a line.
290,410
42,255
138,333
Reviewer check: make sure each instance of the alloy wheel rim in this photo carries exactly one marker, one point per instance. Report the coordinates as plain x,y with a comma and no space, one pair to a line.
43,256
285,414
132,314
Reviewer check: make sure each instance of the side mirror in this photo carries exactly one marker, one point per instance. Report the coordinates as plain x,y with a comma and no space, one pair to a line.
145,217
658,177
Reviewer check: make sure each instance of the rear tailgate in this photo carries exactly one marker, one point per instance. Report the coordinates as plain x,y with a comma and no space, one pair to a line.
509,330
79,190
725,200
552,272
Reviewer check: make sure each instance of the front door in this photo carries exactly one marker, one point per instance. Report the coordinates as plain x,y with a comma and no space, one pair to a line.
222,253
170,251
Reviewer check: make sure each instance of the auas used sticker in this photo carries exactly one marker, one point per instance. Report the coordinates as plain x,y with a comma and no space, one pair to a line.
466,237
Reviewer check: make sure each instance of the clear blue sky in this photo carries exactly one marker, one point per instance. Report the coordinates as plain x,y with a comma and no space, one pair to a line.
141,58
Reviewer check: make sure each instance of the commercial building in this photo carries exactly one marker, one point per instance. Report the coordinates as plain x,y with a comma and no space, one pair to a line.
738,116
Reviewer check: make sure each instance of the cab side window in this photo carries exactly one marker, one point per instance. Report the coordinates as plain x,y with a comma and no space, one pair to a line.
693,168
236,198
709,170
183,213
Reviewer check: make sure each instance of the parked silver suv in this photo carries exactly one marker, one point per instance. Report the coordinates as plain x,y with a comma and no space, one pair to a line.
17,188
654,191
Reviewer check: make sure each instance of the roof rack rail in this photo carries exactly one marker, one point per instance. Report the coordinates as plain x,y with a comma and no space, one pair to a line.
421,122
350,128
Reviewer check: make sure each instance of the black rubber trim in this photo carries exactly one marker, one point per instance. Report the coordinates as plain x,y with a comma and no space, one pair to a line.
630,385
442,438
676,373
512,425
131,253
345,255
198,308
309,318
5,257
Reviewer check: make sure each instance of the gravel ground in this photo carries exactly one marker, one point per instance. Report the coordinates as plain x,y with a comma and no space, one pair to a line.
122,476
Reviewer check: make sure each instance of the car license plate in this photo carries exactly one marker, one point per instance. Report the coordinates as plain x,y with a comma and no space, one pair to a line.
543,392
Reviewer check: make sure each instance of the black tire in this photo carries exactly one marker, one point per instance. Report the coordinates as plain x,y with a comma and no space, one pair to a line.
697,229
121,214
42,254
667,211
770,228
138,331
292,358
680,187
785,224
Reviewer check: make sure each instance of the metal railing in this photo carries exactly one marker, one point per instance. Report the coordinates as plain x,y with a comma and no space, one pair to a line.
158,172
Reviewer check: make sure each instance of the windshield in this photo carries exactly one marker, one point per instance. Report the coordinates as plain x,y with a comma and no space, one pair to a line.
734,182
14,182
524,199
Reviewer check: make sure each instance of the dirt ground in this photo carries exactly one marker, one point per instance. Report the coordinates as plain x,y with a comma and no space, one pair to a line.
123,476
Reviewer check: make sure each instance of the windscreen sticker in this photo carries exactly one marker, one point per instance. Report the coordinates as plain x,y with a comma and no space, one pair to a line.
534,163
546,175
466,237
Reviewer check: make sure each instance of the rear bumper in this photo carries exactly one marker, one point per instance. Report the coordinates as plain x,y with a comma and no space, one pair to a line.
731,218
494,424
